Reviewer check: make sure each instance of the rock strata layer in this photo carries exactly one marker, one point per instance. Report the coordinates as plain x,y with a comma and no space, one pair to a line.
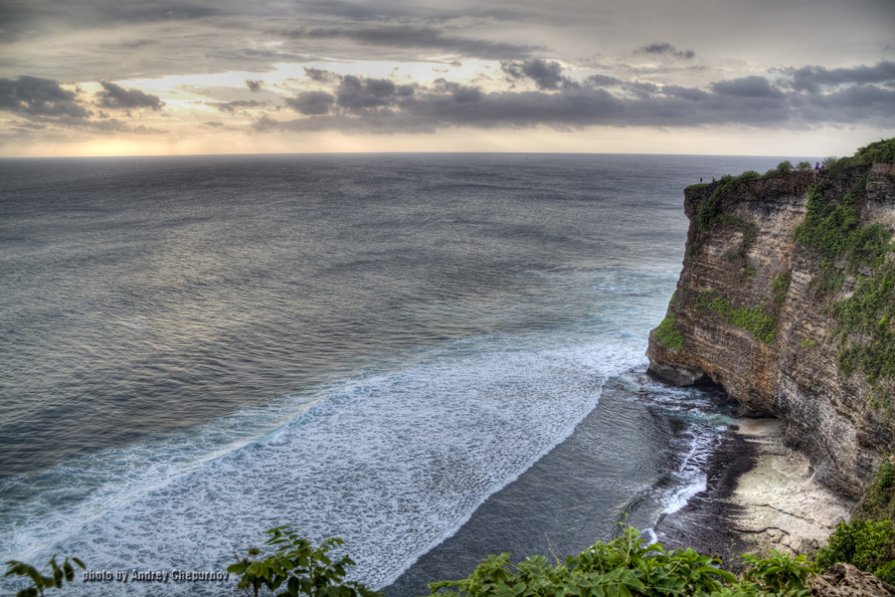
750,312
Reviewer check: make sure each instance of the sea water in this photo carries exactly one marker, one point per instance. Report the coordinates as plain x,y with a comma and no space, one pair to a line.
390,349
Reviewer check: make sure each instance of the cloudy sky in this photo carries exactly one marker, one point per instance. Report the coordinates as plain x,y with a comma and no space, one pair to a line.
126,77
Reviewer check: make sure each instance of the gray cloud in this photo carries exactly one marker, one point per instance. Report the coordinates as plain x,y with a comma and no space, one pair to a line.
113,40
34,96
116,97
546,74
378,105
602,81
460,94
254,86
419,37
356,94
235,106
666,49
747,87
320,76
812,78
50,110
312,102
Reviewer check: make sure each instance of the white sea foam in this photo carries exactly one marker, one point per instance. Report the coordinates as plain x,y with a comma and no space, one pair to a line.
393,463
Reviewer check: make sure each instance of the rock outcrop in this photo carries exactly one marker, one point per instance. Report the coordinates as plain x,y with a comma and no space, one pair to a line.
784,320
844,580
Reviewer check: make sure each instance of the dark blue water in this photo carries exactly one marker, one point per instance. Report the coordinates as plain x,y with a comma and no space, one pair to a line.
196,349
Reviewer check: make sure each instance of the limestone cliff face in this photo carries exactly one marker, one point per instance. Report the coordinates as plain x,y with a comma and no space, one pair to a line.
759,312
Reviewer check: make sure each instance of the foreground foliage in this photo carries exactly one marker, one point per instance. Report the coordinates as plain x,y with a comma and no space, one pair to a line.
296,567
629,566
868,541
867,544
59,574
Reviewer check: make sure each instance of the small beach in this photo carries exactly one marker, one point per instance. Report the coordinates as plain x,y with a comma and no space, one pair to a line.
761,496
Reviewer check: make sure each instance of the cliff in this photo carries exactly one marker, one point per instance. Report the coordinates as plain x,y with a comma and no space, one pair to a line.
787,299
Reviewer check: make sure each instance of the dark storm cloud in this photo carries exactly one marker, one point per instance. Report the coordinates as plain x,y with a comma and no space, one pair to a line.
378,105
235,106
312,102
460,94
812,78
34,96
546,74
50,109
356,94
116,97
418,37
747,87
254,86
666,49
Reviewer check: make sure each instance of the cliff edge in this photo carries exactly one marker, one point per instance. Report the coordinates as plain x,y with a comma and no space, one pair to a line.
787,299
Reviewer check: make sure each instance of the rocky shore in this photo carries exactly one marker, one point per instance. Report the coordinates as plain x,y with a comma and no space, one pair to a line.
781,504
761,496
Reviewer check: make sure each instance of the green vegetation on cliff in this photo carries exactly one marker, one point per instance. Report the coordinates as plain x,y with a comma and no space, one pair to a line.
668,335
780,286
833,229
868,540
881,151
757,320
847,248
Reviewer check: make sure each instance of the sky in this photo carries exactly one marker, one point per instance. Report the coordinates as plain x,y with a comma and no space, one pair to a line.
140,77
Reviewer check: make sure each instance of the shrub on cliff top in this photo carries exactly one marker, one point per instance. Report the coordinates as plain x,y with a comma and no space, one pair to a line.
881,151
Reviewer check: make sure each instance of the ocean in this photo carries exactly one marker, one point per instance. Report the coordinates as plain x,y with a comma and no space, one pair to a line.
434,357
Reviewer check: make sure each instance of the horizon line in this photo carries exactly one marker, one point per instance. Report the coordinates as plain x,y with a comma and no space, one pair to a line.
358,153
